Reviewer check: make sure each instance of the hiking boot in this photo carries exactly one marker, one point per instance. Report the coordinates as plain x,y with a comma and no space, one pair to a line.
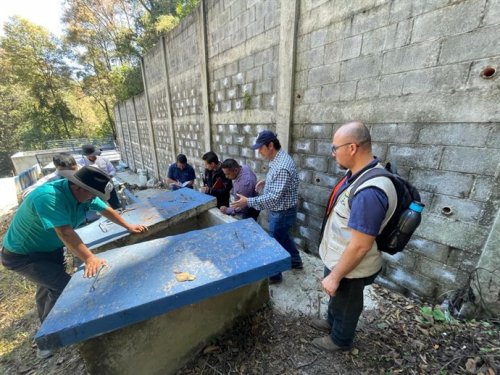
326,344
298,266
44,354
321,325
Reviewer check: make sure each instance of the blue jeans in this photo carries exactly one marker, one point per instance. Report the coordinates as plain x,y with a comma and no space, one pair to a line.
345,308
46,270
280,225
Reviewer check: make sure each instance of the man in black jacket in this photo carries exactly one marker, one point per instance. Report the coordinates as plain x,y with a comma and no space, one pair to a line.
215,182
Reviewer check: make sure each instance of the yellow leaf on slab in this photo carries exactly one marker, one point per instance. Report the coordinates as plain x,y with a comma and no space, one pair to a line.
184,276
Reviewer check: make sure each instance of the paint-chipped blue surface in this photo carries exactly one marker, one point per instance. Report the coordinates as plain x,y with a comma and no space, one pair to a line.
140,282
148,212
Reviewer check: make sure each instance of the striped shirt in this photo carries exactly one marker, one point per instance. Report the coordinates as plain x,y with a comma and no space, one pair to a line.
282,185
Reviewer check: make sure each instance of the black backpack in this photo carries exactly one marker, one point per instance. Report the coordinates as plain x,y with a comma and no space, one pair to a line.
389,240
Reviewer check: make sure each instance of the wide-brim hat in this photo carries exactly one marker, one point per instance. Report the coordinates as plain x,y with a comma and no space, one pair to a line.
91,179
264,137
90,150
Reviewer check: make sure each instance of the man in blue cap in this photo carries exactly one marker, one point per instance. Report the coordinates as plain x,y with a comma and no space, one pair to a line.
279,195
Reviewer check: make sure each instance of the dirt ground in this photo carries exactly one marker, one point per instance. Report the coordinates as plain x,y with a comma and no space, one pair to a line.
398,336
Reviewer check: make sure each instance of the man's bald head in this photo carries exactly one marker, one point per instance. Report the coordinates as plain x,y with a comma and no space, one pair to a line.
357,132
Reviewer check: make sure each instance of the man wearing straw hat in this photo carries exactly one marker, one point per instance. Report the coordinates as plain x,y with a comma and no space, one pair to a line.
45,222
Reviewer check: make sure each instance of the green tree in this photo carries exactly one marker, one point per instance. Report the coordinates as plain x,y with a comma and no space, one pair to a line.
37,61
12,102
39,98
110,37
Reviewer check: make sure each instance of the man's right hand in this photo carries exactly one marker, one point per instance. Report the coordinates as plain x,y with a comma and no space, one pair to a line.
92,266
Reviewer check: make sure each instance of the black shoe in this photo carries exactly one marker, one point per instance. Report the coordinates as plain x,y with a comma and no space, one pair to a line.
275,280
299,266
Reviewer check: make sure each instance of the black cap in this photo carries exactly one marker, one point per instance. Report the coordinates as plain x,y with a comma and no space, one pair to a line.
90,150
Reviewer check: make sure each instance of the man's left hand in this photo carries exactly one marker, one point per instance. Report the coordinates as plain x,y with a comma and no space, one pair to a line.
242,202
330,285
137,228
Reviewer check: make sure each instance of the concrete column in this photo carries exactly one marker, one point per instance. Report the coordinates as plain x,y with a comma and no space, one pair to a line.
486,285
138,134
202,44
132,158
152,140
130,162
288,31
170,117
123,147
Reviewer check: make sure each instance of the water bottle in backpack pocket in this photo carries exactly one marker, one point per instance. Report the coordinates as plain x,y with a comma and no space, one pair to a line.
407,224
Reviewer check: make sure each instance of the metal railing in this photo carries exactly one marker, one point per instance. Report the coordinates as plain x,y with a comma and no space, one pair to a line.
75,145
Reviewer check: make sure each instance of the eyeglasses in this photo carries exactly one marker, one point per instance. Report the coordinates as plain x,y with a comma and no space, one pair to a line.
335,148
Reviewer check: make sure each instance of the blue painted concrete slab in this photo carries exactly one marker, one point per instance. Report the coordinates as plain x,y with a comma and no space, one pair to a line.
140,282
149,212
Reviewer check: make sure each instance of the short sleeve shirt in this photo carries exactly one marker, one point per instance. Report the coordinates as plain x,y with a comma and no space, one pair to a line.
47,207
368,210
181,175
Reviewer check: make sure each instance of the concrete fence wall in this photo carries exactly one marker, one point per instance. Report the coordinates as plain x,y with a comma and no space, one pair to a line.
418,73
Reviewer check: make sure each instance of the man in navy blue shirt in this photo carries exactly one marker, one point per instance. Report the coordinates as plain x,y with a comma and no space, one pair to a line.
348,248
180,174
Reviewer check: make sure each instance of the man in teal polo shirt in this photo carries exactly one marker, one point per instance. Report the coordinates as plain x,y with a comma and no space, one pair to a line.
43,224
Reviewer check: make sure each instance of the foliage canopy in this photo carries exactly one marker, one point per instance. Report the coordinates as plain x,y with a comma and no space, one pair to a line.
53,88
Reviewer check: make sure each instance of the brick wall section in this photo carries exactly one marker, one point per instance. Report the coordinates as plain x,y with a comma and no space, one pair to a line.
242,71
242,49
186,96
135,145
127,145
154,68
411,70
142,122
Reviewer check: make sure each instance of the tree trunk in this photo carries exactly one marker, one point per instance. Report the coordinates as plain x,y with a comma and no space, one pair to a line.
110,119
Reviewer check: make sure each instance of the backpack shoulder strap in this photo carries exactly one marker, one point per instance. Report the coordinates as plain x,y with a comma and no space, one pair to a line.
368,175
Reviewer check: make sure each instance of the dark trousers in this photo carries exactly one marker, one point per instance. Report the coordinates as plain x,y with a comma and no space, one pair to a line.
46,270
345,308
113,200
280,226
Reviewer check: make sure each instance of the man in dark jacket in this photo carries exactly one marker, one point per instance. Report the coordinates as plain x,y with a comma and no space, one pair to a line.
215,181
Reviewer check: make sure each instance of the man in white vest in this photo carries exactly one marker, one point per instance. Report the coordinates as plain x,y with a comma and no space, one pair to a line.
348,248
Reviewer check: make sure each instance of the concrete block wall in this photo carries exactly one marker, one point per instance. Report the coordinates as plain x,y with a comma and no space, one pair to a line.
184,67
146,155
242,49
135,145
412,71
156,81
127,142
421,74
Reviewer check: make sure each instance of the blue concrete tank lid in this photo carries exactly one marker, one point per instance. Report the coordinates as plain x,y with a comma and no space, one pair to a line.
140,282
149,212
